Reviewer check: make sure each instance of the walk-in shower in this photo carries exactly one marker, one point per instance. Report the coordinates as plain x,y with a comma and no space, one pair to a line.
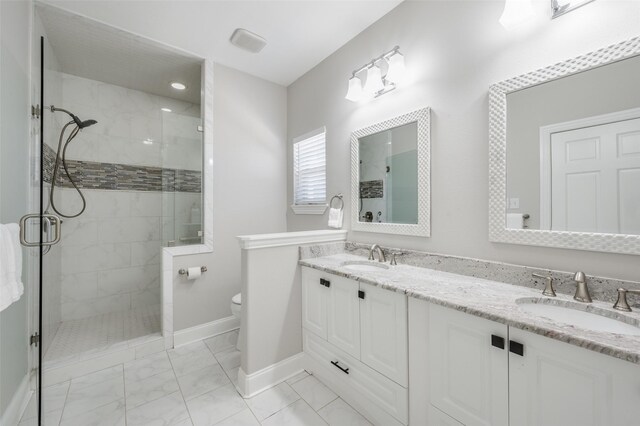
119,164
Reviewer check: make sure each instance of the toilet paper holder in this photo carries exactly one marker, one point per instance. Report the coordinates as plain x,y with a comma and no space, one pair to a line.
183,271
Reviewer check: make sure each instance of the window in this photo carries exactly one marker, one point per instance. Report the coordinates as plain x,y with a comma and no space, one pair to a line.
309,173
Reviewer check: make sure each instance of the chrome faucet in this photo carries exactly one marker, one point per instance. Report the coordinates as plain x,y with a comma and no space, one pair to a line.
381,257
582,291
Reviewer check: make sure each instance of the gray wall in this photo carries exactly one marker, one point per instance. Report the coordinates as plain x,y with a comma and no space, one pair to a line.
272,314
453,51
14,178
249,183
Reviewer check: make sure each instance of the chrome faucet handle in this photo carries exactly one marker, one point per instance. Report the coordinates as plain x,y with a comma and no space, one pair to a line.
371,255
582,290
548,289
393,259
621,304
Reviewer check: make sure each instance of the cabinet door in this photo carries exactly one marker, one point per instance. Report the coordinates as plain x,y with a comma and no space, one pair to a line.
469,375
343,313
556,384
383,328
314,302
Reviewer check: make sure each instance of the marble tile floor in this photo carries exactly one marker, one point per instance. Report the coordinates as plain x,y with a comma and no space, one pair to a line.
192,385
101,332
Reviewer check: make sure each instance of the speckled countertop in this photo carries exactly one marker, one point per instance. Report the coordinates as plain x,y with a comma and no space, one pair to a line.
492,300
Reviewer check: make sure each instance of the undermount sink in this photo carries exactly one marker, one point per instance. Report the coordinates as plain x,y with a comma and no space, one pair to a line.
364,266
577,315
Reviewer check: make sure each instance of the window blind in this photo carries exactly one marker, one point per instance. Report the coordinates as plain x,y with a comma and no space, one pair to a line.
309,170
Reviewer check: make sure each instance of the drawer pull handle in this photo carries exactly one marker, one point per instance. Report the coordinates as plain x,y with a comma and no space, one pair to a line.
516,348
497,341
344,370
325,283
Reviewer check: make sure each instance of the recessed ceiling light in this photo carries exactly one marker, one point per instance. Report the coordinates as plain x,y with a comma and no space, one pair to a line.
177,85
148,141
166,109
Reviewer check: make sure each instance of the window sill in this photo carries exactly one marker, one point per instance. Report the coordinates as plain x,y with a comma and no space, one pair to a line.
309,208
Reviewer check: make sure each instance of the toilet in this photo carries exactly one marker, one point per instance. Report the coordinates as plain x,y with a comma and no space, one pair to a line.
236,310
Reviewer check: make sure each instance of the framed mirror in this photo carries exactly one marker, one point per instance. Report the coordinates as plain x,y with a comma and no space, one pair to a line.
564,154
390,189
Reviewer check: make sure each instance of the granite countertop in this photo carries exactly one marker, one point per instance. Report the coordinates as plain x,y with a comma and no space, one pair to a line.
492,300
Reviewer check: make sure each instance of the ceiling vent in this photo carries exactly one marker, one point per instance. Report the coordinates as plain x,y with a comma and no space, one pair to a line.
247,40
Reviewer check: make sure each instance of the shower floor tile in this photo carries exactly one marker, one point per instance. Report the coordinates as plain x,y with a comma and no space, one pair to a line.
102,331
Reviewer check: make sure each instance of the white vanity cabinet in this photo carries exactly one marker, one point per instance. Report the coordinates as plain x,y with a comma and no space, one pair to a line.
554,383
355,338
485,373
383,332
343,315
468,374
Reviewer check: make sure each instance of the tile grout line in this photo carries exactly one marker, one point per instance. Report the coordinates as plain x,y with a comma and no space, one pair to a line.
175,375
66,397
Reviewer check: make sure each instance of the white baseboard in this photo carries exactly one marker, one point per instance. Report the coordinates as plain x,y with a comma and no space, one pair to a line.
204,331
252,384
18,403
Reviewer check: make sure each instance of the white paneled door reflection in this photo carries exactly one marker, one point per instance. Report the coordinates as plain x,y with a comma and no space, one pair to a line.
595,178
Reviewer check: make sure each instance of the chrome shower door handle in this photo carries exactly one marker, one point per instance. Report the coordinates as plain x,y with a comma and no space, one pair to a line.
52,221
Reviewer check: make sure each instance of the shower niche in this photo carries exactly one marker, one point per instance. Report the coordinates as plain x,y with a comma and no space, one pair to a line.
130,183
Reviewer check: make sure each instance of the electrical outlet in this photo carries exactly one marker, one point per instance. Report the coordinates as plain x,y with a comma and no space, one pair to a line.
514,203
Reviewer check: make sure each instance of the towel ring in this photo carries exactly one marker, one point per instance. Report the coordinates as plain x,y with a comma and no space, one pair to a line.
339,197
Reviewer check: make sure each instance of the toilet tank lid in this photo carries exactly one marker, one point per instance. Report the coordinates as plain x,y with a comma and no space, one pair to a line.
237,299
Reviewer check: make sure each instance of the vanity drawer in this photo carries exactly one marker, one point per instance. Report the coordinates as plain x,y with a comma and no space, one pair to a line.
380,390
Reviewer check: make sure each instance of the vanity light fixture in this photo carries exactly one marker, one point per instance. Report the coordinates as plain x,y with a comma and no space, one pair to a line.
515,13
354,93
376,84
396,70
165,109
560,7
178,86
148,141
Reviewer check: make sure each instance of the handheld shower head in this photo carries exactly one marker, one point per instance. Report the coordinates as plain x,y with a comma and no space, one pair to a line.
81,124
85,123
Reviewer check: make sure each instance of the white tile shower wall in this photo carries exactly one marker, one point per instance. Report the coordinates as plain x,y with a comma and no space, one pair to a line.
125,118
111,254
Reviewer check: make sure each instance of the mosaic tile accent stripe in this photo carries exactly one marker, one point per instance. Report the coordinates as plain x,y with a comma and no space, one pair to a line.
122,177
371,189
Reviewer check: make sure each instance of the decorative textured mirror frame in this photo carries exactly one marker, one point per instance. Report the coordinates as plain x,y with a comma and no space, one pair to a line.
614,243
423,146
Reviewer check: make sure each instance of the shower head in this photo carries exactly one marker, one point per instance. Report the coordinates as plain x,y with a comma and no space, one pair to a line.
81,124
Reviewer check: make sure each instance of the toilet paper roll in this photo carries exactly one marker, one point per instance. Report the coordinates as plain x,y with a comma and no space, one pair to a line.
194,273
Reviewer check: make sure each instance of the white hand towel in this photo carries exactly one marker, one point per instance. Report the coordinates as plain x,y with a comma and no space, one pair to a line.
335,218
515,221
11,287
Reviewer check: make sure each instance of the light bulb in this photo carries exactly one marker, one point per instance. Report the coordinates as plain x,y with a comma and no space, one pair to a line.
374,81
396,68
515,13
354,94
